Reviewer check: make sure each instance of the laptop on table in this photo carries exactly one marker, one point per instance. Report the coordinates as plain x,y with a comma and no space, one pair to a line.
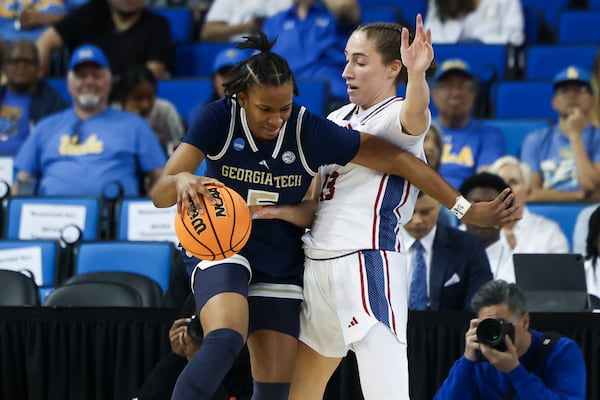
552,282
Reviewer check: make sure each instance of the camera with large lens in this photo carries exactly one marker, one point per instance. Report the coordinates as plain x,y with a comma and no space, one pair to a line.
492,333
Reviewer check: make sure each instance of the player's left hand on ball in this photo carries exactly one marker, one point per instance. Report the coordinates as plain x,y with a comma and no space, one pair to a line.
189,189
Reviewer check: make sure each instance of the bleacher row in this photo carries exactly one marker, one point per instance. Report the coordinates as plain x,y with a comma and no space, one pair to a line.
515,84
131,236
569,25
187,93
523,99
59,240
525,71
519,107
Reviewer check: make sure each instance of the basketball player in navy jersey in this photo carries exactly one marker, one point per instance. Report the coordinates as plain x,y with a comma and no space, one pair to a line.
268,148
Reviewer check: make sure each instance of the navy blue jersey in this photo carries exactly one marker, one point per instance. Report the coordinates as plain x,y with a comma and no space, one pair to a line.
274,172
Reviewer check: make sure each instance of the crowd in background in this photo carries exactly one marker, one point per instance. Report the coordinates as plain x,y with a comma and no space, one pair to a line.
557,164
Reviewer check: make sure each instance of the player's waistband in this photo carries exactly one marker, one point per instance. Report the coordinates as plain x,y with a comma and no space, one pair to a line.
324,255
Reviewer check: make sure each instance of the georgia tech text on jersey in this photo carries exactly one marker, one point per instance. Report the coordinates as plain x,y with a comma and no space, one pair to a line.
261,177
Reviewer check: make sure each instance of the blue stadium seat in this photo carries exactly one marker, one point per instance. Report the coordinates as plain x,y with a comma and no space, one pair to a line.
407,9
533,19
45,217
196,59
40,257
579,27
593,4
487,61
565,214
524,100
153,259
551,10
313,95
544,62
180,20
60,85
377,3
185,93
515,131
139,220
376,14
410,9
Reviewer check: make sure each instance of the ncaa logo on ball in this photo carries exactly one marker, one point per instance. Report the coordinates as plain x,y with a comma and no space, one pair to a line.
220,230
220,212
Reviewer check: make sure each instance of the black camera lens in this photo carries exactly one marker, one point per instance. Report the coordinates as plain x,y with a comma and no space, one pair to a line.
195,329
492,332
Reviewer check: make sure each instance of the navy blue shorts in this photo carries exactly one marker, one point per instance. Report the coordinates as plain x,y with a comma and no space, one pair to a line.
273,313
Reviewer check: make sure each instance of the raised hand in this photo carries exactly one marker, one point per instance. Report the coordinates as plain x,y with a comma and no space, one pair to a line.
417,56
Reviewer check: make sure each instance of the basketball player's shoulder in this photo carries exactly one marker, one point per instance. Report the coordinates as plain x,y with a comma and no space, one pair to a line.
342,112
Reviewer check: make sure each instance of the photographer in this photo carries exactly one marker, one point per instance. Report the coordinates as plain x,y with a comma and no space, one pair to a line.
532,366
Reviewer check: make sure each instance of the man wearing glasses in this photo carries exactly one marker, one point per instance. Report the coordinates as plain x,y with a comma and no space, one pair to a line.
24,99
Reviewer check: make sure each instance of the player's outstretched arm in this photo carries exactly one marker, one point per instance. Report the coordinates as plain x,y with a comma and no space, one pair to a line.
378,154
301,214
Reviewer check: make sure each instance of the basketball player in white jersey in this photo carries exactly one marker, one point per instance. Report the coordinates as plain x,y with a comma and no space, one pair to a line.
355,279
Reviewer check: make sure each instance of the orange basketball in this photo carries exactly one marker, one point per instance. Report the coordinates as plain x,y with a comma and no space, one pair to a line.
220,231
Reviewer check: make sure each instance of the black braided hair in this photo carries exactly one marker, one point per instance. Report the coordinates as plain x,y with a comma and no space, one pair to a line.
263,68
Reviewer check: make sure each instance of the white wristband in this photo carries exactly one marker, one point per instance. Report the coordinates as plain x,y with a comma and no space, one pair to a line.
460,207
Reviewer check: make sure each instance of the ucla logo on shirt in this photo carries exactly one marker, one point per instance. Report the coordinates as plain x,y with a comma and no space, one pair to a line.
288,157
239,144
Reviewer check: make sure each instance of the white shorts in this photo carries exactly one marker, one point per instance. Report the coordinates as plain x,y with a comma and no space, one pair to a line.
344,297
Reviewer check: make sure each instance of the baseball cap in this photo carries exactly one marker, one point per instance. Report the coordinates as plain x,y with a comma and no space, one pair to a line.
455,65
88,53
230,57
573,73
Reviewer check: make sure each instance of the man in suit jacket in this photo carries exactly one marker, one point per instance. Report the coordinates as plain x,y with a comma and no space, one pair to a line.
457,264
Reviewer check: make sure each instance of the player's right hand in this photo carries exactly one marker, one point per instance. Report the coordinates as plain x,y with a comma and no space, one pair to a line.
189,189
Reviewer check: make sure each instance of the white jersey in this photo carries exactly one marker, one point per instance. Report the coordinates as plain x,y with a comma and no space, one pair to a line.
361,208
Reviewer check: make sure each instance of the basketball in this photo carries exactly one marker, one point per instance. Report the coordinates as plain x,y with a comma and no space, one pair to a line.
220,231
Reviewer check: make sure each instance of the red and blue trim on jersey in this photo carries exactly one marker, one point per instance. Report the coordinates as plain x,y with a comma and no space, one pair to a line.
375,286
393,193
